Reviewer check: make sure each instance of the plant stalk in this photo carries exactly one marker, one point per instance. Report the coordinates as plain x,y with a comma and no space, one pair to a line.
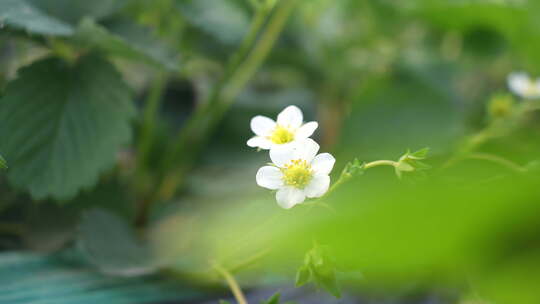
233,285
197,130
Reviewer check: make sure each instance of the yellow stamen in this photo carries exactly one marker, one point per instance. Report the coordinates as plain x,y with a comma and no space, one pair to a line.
282,135
297,173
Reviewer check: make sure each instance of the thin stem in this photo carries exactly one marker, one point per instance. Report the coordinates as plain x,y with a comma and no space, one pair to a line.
195,133
380,163
150,112
489,132
344,177
497,159
233,285
260,51
250,260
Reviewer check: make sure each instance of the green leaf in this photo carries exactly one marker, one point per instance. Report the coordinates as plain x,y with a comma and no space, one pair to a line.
110,244
62,125
319,268
73,11
273,300
22,15
61,279
3,163
326,278
128,40
303,275
224,302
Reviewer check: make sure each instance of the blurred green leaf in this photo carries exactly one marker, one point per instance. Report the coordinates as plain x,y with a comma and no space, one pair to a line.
3,163
62,124
131,41
73,11
222,19
110,244
61,279
319,267
49,227
303,276
22,15
273,299
224,302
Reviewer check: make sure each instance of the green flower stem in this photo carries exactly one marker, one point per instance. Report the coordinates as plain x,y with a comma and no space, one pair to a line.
344,176
150,112
260,51
233,285
381,163
193,136
250,260
494,129
497,159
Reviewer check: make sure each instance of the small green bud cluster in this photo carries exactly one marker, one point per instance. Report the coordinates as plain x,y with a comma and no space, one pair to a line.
411,161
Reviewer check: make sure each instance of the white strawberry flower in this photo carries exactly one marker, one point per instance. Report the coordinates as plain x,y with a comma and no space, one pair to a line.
522,85
297,172
290,127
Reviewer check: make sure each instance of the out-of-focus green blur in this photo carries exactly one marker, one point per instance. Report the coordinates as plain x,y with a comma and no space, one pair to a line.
380,76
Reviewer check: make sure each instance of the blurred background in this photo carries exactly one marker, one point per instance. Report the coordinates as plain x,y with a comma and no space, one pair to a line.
123,124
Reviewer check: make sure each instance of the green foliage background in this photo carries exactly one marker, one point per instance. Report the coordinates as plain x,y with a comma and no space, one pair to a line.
123,124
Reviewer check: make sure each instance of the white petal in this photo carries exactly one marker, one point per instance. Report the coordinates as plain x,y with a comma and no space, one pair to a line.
269,177
283,154
287,197
306,130
323,163
317,186
291,116
259,142
519,83
262,126
306,149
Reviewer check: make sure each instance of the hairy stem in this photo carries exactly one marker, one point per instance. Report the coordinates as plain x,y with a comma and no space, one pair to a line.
197,130
233,285
250,260
380,163
498,160
150,112
344,177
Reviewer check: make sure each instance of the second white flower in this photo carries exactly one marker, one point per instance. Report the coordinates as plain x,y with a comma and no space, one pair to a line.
297,172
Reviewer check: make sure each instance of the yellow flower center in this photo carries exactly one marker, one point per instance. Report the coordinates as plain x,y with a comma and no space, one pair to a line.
297,173
282,135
